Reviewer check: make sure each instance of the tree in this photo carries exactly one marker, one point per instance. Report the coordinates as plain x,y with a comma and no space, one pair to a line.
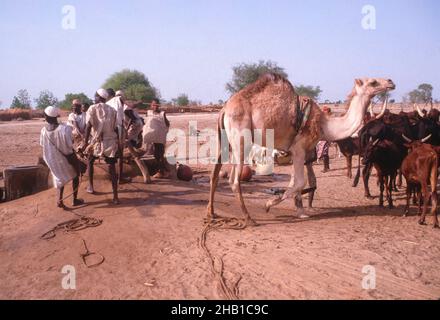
383,95
135,85
45,99
423,94
425,90
308,91
244,74
69,97
182,100
140,92
22,100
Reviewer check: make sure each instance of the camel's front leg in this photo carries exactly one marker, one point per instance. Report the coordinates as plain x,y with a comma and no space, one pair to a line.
297,182
311,182
141,165
144,170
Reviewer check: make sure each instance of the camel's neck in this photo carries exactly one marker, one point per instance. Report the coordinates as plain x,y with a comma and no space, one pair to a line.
338,128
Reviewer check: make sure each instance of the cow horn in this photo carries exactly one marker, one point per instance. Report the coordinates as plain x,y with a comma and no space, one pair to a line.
370,109
385,106
419,111
375,142
406,138
426,138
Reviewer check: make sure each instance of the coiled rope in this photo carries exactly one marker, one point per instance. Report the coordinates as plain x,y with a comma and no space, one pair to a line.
231,293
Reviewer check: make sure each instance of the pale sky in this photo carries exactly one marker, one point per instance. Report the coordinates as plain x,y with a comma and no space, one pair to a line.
190,46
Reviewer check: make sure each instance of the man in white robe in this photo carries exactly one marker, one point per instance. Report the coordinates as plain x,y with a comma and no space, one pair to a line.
77,120
102,136
57,142
117,103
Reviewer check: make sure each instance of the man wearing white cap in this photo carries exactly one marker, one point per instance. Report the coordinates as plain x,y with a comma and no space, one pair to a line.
102,128
57,142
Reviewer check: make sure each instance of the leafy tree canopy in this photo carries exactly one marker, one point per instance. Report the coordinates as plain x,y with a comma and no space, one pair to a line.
182,100
66,104
46,98
22,100
135,84
308,91
423,94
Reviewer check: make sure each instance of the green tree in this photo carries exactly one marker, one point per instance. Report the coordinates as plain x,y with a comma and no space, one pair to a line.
182,100
383,95
45,99
308,91
69,97
135,84
247,73
423,94
22,100
425,90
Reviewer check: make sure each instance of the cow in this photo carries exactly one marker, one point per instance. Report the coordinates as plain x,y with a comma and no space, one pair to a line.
390,127
386,156
349,147
420,169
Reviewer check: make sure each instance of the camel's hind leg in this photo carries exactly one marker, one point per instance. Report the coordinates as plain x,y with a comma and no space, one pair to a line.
213,183
236,188
311,180
433,179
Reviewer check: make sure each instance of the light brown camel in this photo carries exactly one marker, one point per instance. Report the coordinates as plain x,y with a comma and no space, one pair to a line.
271,103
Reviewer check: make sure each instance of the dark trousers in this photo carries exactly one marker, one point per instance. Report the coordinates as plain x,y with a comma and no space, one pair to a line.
159,155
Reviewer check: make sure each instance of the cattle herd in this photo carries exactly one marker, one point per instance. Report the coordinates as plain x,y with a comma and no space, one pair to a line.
405,144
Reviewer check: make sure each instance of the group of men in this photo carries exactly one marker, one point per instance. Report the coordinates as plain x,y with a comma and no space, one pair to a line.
101,130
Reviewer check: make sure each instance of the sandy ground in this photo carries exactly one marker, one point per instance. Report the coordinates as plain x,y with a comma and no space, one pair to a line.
152,237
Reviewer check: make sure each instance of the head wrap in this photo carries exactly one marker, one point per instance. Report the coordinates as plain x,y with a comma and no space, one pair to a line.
51,111
102,93
120,93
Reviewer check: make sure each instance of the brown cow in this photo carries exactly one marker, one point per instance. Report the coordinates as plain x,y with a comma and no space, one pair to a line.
349,147
420,168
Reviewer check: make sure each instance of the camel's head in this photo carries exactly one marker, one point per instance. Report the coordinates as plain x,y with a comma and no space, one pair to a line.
372,86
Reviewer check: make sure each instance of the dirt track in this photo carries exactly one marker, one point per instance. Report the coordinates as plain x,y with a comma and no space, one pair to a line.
152,237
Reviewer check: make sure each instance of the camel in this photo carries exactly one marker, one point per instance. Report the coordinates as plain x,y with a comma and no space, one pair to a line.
271,103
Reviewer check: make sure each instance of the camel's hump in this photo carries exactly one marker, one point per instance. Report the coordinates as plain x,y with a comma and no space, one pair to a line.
265,80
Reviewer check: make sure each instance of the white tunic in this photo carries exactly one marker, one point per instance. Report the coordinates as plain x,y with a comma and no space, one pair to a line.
56,144
77,122
116,103
155,128
102,117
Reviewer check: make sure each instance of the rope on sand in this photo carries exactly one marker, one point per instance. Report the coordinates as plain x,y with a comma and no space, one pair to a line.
81,223
72,225
230,293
